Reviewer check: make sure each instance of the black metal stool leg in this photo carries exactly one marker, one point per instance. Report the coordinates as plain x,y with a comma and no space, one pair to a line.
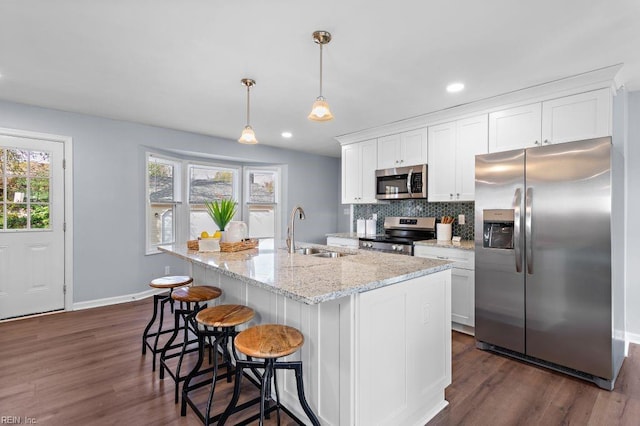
236,395
155,342
275,385
167,345
264,388
192,374
213,387
297,367
148,327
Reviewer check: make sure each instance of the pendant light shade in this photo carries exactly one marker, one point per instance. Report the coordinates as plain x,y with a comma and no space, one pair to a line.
248,136
320,110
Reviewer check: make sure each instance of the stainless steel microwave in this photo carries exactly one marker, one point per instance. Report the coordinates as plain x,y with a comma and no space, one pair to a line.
401,183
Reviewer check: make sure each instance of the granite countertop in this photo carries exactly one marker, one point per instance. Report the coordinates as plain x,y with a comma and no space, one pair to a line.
311,279
462,245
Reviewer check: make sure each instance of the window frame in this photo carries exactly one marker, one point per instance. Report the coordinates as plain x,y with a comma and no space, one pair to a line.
278,191
150,247
236,192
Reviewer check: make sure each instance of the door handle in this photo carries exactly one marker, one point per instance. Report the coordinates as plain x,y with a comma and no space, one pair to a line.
409,183
528,230
517,201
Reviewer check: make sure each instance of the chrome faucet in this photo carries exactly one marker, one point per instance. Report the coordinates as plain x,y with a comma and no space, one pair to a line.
291,239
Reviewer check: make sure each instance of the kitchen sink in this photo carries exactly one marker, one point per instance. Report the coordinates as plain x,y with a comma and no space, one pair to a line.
312,251
330,254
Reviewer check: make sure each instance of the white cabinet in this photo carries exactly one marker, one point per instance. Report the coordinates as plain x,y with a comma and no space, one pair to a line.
359,161
452,150
582,116
402,149
462,283
343,242
515,128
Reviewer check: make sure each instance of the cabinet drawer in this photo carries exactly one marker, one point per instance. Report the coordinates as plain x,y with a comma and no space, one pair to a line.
464,259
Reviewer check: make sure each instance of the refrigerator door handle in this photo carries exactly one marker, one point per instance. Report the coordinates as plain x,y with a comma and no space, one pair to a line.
528,234
517,202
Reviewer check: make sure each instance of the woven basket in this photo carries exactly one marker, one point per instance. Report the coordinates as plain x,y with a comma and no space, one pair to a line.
193,245
240,245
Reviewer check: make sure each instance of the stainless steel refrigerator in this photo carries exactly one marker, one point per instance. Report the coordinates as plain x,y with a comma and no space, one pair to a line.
544,258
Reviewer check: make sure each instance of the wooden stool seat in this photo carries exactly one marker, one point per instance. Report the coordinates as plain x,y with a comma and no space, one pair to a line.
199,293
269,341
225,315
171,281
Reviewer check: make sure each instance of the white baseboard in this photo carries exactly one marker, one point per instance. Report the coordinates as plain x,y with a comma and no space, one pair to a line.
115,300
631,338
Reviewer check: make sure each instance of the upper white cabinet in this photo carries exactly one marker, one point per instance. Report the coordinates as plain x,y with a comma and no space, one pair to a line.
515,128
582,116
452,150
402,149
359,162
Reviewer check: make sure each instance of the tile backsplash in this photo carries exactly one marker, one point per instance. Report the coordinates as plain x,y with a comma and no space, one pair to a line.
413,208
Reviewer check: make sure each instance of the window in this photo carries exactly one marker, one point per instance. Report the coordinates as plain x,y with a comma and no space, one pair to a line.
262,201
172,217
25,178
208,183
163,195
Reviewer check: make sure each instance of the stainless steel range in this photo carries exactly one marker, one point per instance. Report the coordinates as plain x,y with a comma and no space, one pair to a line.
400,233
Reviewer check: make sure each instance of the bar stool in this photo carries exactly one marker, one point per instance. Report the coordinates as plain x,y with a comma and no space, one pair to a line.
190,295
220,323
269,342
169,282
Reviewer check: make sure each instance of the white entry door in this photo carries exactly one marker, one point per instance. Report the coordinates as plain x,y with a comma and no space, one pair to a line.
31,226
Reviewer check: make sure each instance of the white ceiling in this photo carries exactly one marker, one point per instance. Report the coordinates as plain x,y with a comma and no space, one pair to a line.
178,64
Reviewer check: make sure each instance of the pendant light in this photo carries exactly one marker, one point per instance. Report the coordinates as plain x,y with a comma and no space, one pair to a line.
248,136
320,110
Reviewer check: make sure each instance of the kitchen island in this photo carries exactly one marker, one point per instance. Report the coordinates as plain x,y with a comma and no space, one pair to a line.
377,326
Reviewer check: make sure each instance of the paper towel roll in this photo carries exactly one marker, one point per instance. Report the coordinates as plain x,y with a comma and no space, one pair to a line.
371,227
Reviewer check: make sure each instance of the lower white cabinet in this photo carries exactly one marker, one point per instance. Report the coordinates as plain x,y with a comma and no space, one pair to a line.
462,283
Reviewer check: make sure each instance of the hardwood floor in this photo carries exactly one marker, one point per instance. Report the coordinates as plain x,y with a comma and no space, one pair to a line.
489,389
86,368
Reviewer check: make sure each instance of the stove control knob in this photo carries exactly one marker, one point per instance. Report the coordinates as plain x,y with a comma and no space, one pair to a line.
394,248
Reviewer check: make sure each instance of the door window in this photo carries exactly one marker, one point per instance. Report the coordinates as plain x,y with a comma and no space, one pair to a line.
25,179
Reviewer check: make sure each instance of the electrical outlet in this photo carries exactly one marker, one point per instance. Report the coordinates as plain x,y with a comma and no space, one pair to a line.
167,270
461,219
345,211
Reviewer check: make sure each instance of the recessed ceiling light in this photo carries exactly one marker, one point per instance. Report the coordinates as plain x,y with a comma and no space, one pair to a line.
286,135
455,87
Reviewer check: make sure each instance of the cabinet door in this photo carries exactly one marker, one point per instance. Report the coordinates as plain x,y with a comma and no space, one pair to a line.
473,139
351,175
413,147
515,128
368,166
389,152
442,153
583,116
463,296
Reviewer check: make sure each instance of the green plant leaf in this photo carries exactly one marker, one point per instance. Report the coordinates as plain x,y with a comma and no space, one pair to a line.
221,211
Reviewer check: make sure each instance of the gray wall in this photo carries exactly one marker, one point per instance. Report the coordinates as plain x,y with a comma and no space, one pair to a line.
108,190
633,208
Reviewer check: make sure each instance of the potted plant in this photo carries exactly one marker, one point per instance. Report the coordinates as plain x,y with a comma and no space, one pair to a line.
221,211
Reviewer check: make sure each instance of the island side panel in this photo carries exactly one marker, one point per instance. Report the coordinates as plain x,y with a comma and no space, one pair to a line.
327,352
403,351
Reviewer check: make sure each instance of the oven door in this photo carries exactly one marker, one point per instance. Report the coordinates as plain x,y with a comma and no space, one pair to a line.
401,183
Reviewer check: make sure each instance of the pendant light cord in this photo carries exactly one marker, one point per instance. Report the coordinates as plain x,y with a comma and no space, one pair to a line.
320,69
248,104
